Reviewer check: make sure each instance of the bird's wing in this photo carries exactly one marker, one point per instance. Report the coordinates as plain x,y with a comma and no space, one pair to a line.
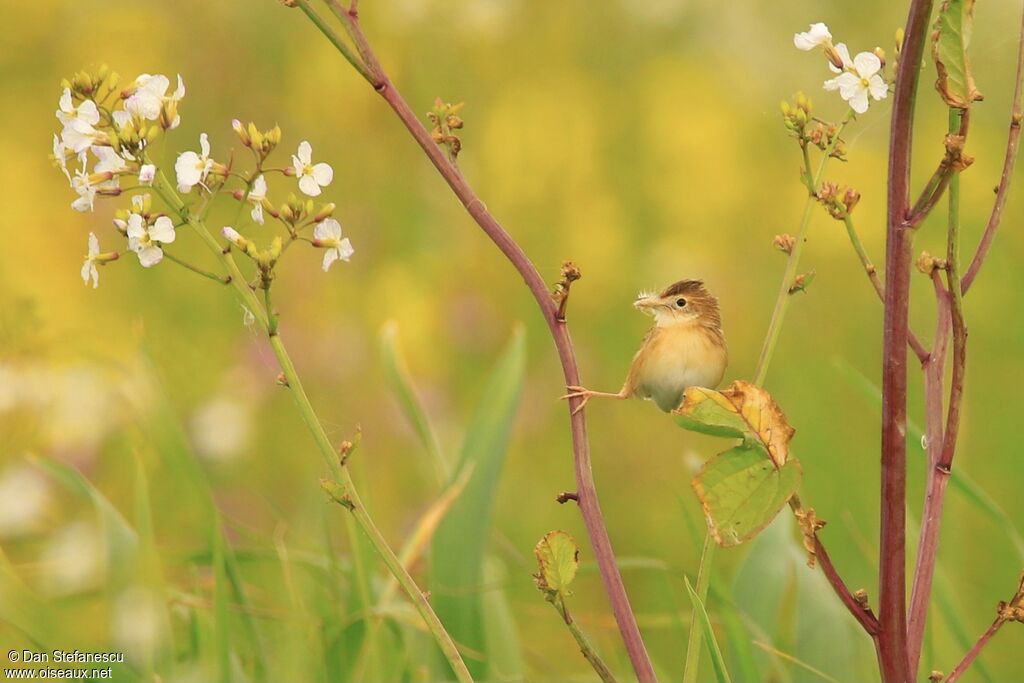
635,368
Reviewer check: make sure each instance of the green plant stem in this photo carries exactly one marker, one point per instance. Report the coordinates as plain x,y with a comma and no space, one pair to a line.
339,472
222,279
869,268
335,39
696,636
793,262
586,647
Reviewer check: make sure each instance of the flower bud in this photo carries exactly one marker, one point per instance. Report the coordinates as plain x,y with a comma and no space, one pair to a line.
850,199
326,211
784,243
233,236
834,57
880,53
243,135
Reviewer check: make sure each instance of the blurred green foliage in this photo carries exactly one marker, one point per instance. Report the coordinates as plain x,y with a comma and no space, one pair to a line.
640,139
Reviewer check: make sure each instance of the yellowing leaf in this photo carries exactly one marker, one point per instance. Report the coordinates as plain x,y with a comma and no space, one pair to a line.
951,38
743,410
559,558
741,491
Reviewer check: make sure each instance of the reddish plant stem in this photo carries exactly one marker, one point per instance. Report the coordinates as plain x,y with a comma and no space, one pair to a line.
976,650
899,242
1002,190
586,490
934,373
862,613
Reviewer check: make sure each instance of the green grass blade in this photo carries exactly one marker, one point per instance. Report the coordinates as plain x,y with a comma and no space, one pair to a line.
398,377
793,660
959,481
691,665
717,661
460,542
221,616
122,542
738,638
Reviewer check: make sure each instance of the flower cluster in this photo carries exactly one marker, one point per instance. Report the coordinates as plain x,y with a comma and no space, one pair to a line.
799,120
104,148
857,78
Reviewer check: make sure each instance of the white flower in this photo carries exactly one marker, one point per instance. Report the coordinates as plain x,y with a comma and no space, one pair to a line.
60,155
121,118
145,240
855,85
146,174
89,267
817,36
844,55
311,177
172,103
327,233
193,168
79,135
148,99
82,184
257,194
86,112
108,160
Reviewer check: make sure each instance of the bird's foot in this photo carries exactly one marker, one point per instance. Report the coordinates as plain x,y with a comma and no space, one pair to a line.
580,393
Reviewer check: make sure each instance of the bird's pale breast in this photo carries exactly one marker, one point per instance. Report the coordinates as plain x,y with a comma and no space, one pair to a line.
674,358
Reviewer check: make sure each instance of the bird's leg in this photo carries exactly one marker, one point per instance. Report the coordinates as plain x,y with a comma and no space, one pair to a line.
587,394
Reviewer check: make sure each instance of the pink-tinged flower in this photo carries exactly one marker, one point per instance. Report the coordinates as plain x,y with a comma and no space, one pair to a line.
146,174
150,96
311,177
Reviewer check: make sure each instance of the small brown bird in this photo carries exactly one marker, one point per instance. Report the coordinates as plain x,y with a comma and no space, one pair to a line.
685,348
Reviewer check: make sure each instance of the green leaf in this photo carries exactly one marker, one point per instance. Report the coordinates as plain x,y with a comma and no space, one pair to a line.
397,375
949,48
460,542
717,661
744,411
742,491
558,559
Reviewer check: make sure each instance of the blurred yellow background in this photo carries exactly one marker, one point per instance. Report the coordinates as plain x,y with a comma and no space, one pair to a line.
641,139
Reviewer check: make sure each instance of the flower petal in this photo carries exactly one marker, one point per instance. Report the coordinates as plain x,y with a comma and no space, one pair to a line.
330,256
878,87
150,256
859,101
867,64
345,250
323,174
94,244
305,153
309,186
327,229
162,230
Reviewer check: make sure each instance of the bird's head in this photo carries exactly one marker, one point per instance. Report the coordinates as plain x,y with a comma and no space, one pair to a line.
684,302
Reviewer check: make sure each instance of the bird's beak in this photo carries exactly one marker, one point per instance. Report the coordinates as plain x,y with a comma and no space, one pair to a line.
646,303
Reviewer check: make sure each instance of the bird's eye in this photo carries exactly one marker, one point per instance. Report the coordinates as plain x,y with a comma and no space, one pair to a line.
680,303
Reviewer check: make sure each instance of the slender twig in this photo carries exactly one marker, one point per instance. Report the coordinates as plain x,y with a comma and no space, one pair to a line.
860,610
869,268
587,649
339,472
1002,190
782,298
892,617
222,279
939,181
695,638
976,650
586,490
939,471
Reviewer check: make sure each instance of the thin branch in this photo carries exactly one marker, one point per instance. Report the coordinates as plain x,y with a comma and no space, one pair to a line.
222,279
587,649
976,650
876,282
586,490
861,611
892,642
1002,190
939,181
